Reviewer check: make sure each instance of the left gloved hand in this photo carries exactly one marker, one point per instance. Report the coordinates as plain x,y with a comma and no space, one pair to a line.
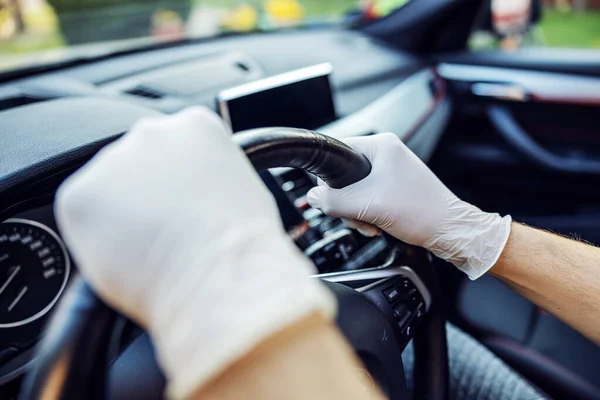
172,226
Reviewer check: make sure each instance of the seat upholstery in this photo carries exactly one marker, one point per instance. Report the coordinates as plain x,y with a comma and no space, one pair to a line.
549,353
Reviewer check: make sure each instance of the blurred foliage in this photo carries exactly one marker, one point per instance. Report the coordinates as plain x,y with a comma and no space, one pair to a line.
82,5
242,18
88,21
385,7
29,44
43,32
564,28
311,8
571,29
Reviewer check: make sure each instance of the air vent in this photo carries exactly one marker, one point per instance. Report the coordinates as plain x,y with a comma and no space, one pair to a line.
244,67
193,80
148,93
296,184
17,101
209,74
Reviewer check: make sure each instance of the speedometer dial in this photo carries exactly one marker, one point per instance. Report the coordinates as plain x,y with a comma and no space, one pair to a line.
34,269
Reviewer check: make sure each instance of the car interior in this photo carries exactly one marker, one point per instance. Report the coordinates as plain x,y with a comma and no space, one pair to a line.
511,132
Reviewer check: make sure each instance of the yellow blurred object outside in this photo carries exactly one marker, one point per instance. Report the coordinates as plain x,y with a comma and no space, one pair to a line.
8,25
165,17
243,18
284,11
41,19
37,17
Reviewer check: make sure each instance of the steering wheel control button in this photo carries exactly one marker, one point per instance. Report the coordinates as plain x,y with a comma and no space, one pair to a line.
412,325
402,323
419,314
333,251
414,301
410,293
391,294
405,284
400,311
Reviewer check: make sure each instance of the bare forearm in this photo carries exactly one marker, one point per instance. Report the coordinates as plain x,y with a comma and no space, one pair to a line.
309,360
560,275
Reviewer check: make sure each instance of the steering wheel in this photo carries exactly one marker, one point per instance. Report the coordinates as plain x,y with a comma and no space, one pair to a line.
380,309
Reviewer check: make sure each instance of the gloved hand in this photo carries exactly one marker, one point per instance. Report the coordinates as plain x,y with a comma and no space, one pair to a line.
172,226
404,198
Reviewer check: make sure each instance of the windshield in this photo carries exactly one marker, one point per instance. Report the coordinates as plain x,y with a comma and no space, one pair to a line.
34,32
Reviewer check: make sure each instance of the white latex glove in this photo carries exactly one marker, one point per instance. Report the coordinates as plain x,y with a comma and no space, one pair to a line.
172,226
404,198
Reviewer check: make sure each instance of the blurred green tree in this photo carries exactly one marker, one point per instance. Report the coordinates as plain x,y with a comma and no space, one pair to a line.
87,21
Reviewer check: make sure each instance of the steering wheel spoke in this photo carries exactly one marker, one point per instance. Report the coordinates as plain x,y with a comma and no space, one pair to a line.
397,292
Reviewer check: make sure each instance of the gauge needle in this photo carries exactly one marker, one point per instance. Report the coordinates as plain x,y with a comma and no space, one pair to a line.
10,278
16,300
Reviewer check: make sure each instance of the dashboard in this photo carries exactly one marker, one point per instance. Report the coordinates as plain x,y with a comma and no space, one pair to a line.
54,122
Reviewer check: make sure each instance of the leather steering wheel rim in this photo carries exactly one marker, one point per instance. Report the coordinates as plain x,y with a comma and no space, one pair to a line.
72,358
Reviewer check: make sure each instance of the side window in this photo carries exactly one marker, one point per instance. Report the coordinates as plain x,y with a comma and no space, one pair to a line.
511,24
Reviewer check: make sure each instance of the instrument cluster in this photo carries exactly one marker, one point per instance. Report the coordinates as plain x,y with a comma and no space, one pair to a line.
35,268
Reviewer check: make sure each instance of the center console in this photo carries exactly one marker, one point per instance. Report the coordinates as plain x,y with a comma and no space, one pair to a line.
327,241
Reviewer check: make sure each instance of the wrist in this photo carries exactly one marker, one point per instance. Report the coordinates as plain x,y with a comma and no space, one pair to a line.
258,288
471,239
243,378
309,359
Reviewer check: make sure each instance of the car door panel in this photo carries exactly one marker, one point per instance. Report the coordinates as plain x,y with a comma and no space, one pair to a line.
585,62
527,142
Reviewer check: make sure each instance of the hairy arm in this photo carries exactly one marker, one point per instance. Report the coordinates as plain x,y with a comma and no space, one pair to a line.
560,275
308,360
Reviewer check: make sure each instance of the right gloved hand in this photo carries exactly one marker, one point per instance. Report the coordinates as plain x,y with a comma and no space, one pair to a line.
404,198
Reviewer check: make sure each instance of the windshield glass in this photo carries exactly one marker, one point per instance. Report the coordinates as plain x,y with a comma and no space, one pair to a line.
34,32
